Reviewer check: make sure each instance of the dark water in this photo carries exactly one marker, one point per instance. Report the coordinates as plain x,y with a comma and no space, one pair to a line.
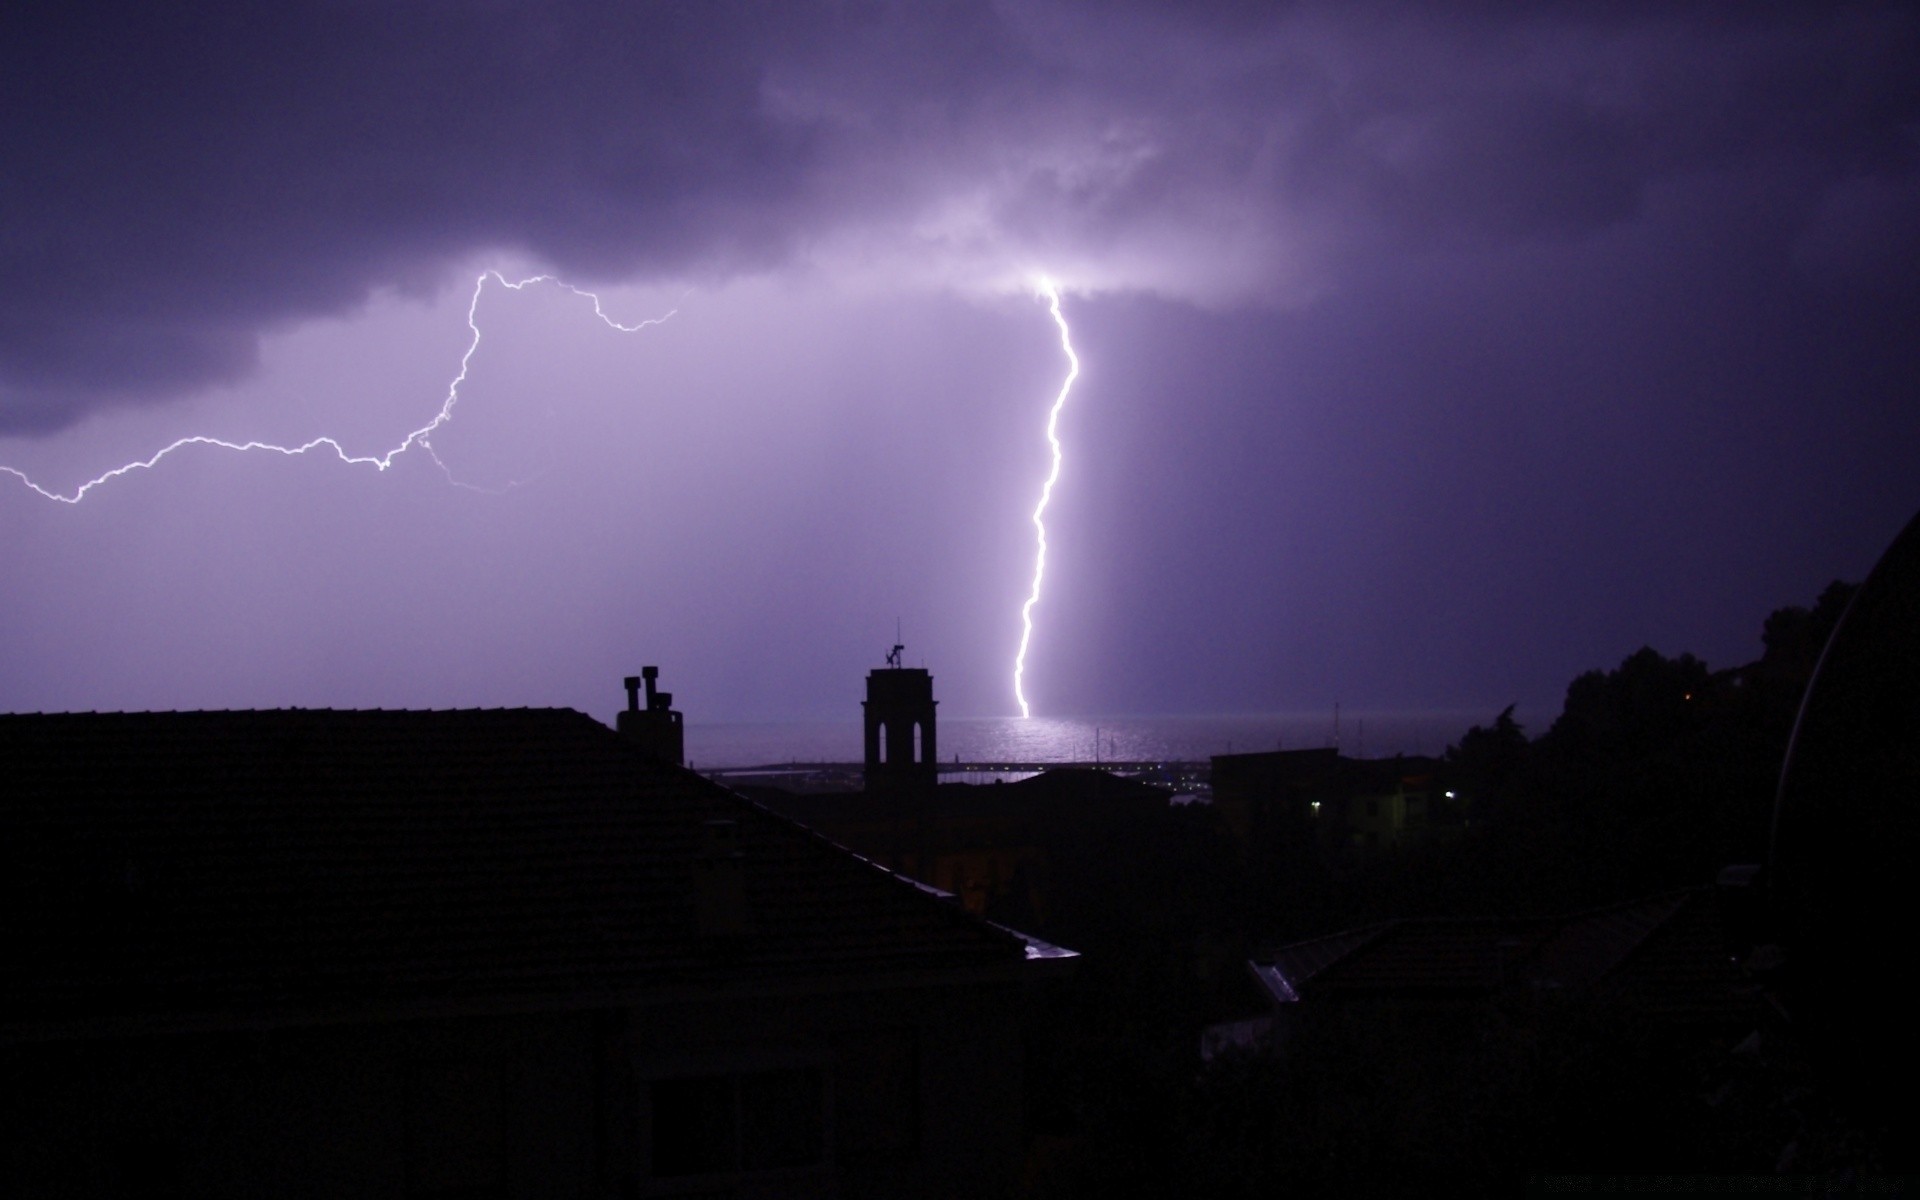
1072,739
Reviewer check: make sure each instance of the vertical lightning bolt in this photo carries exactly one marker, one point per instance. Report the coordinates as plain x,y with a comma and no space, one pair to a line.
421,437
1046,493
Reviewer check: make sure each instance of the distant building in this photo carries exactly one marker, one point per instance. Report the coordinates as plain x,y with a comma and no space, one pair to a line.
1320,803
902,749
992,847
987,846
478,954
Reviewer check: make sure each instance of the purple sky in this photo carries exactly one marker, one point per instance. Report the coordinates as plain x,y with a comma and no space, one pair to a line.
1427,361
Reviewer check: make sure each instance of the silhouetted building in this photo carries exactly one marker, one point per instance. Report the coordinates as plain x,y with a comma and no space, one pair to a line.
475,953
1846,837
1318,802
1663,957
656,729
991,846
1477,1052
901,750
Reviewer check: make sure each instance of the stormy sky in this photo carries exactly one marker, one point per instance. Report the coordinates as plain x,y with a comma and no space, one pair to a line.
1428,359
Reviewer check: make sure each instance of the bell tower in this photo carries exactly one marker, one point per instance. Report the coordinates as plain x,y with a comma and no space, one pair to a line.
901,750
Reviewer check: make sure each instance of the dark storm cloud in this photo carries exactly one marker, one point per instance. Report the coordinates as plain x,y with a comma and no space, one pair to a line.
181,179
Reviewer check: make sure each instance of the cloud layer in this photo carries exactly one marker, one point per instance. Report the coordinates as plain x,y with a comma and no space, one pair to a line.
183,180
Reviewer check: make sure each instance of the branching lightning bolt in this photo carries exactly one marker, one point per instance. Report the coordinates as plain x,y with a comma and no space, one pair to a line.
421,437
1046,493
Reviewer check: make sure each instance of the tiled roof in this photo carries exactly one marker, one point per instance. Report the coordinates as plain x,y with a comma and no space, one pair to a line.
169,868
1660,954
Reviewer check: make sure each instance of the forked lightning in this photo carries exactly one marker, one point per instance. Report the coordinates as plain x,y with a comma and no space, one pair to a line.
421,437
1052,294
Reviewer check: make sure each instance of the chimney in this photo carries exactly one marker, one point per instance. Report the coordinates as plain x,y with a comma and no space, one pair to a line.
654,730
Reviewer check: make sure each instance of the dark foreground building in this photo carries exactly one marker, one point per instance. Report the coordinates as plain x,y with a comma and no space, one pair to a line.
471,954
1661,957
1846,836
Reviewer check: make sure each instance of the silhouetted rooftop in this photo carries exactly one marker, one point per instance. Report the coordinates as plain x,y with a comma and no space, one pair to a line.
175,870
1661,954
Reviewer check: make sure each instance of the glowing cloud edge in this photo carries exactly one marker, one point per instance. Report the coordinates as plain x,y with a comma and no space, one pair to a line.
1045,288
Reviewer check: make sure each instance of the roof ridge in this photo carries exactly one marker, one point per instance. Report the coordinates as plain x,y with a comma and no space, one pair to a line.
926,892
1674,901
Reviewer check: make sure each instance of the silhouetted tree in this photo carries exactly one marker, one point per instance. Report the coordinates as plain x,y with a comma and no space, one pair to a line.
1643,706
1482,768
1795,636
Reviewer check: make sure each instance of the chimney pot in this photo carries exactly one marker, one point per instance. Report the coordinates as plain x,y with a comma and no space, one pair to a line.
656,728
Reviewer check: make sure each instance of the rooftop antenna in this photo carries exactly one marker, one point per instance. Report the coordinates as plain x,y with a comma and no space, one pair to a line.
893,655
